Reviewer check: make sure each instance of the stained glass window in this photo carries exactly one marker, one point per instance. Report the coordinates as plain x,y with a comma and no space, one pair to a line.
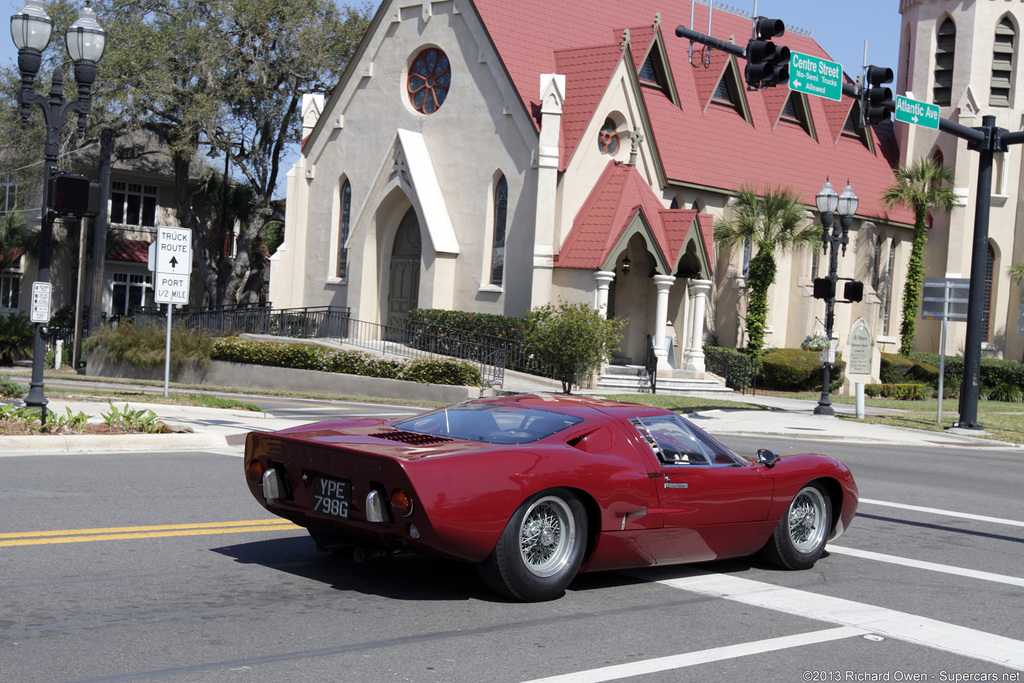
343,225
608,138
500,217
429,79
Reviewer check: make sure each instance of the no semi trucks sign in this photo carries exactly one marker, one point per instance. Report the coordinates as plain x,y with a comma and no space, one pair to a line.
815,76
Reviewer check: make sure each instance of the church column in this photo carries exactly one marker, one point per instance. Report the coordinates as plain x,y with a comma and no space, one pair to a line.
544,241
604,279
699,290
664,284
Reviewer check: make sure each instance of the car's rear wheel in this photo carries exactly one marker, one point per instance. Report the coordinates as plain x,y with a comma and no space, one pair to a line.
799,539
541,548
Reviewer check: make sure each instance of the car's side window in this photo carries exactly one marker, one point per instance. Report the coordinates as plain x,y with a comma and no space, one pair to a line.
672,441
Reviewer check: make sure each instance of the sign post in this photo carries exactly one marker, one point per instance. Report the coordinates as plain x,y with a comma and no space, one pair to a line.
945,298
815,76
173,256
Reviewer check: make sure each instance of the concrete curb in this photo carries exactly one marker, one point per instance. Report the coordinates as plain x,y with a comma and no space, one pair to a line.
52,444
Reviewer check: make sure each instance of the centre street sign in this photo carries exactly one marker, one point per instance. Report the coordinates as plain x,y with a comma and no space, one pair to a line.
815,76
917,113
173,265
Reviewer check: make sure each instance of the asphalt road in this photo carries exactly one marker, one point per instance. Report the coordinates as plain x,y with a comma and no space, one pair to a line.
160,566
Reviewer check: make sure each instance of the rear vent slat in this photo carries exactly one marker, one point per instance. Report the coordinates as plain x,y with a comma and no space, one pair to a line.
411,438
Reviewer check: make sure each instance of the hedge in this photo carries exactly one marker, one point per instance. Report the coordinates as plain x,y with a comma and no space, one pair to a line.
314,357
903,392
798,370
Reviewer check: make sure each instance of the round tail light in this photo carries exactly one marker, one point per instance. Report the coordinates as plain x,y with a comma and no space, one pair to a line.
256,470
401,503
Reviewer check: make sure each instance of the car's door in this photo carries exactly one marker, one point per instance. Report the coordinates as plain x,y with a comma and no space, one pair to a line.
697,484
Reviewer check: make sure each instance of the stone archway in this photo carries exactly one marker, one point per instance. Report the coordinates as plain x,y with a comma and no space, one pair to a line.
404,278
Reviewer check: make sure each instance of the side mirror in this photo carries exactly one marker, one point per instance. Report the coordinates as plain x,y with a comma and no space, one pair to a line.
767,457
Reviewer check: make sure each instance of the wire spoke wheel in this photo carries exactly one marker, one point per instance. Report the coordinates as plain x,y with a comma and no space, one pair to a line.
547,536
808,517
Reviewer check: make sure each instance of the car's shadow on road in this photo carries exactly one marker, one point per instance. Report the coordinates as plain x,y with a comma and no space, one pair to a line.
409,576
405,576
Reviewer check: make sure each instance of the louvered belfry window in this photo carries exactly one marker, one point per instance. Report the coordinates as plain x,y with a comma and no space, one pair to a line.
945,52
1002,63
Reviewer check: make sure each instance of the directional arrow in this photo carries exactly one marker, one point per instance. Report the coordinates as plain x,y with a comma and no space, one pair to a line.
173,262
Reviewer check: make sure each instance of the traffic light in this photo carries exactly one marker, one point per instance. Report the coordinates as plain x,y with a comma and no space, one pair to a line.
876,99
824,288
73,194
767,63
853,290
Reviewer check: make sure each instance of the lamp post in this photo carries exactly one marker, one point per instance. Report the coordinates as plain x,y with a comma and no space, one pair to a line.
226,236
833,236
31,28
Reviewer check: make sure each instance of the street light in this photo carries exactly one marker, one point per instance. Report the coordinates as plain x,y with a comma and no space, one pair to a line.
833,235
31,29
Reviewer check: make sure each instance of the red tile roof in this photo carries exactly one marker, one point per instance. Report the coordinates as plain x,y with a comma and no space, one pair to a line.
617,198
133,251
713,147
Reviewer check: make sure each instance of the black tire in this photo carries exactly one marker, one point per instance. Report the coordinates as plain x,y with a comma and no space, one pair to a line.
540,550
799,539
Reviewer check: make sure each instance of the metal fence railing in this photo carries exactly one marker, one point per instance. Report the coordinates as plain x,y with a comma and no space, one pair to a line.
410,340
304,323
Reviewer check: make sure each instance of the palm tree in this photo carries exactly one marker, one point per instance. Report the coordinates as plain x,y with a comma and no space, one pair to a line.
773,223
1017,272
922,186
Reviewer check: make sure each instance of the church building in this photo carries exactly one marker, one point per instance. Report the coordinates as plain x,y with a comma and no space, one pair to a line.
487,156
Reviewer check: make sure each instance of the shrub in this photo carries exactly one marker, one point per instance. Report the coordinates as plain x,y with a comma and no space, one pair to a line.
574,338
16,338
502,326
897,369
143,346
798,370
10,389
315,357
902,392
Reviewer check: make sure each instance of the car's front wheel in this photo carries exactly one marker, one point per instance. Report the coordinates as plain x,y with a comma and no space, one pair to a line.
799,539
541,548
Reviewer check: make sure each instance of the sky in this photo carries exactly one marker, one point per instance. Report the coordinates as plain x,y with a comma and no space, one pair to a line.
840,29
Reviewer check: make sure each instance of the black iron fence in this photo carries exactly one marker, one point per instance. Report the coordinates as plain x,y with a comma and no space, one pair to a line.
317,322
411,340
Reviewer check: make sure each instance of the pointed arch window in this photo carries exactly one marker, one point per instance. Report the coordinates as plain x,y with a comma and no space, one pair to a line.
945,53
795,111
990,262
1002,63
344,218
887,290
500,221
725,93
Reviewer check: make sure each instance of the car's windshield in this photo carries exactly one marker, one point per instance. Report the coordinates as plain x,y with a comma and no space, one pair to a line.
490,423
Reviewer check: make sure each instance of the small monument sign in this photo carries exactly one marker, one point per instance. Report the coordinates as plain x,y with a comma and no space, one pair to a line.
860,349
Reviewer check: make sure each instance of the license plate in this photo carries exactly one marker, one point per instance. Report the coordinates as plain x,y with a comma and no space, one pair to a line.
331,497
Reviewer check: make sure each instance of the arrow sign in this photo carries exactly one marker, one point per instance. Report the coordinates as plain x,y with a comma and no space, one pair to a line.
173,265
174,251
917,113
815,76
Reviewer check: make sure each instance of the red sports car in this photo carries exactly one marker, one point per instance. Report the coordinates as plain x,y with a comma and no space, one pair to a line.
536,488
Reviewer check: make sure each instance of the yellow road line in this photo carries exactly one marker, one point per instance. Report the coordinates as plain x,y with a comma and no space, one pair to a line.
160,531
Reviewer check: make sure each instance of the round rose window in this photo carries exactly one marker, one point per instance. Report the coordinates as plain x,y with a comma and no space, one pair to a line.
430,76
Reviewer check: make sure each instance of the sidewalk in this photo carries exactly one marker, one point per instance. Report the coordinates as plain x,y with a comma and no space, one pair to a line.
199,428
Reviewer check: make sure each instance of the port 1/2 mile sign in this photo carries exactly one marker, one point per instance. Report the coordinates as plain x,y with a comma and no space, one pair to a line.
173,265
